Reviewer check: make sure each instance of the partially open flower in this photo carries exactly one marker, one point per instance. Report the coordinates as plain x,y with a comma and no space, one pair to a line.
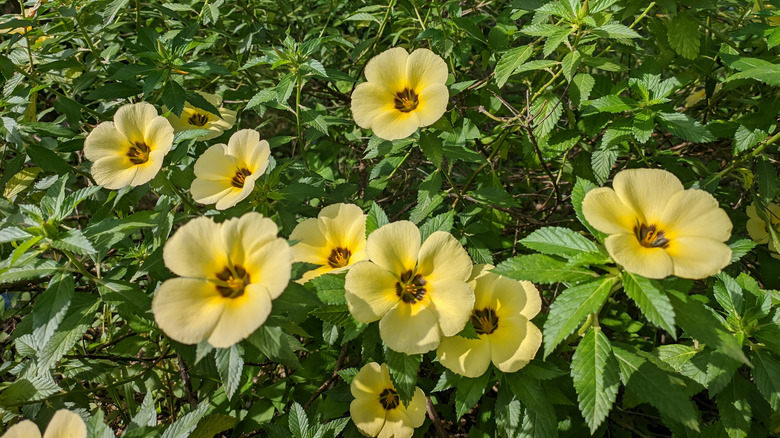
226,174
417,292
129,151
196,118
403,92
64,424
657,228
230,273
502,319
377,409
335,240
757,228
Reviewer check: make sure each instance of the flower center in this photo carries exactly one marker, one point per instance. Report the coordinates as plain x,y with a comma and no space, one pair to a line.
389,399
650,237
339,257
198,119
485,321
406,100
411,287
233,281
139,153
240,177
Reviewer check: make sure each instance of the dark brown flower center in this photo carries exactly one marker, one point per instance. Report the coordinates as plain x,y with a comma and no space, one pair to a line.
232,281
650,237
389,399
139,153
406,100
198,119
411,287
240,177
485,321
339,257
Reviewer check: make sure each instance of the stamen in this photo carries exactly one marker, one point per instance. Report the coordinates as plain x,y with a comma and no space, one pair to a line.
233,281
339,257
650,237
198,119
389,399
411,287
485,321
240,177
406,100
139,153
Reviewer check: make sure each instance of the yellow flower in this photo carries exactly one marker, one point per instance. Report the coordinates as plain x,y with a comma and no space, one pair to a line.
377,409
502,319
196,118
230,273
64,424
659,229
129,151
756,226
417,292
13,30
403,92
335,240
226,175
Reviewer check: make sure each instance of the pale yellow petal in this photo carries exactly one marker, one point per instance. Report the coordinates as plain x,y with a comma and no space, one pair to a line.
397,425
105,141
604,210
344,226
647,262
698,257
388,69
394,125
369,101
695,213
241,316
322,270
312,246
233,197
227,118
23,429
395,246
646,191
370,381
467,357
196,250
410,329
442,257
159,135
370,291
114,172
368,416
213,99
242,143
514,343
432,104
215,164
513,298
270,265
132,120
417,408
453,302
187,310
425,69
147,171
209,191
66,424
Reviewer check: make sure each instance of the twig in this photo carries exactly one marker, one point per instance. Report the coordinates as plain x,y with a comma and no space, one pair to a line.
185,378
335,376
434,416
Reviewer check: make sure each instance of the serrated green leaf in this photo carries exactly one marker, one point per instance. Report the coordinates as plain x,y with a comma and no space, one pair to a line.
735,409
184,426
443,222
70,330
469,391
758,69
581,86
75,241
595,374
611,104
174,97
146,415
740,248
51,307
510,61
685,127
277,345
570,64
539,419
650,299
431,146
765,374
747,138
616,31
230,365
558,241
403,372
556,39
336,314
298,421
728,293
683,34
603,160
539,268
330,288
644,123
767,178
571,307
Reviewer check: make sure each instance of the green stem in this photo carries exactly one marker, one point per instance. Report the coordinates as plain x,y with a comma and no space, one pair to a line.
88,40
298,124
643,15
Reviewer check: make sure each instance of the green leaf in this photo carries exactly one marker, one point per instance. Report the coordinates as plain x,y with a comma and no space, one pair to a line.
298,421
683,34
758,69
330,288
747,138
174,97
403,372
111,11
728,293
546,111
654,385
510,61
539,415
571,307
616,31
595,374
740,248
685,127
80,317
570,64
735,409
765,374
469,391
376,218
603,160
336,314
431,146
644,123
581,86
12,234
47,159
558,241
699,323
230,365
129,301
184,426
539,268
553,41
75,241
277,345
581,188
146,415
51,307
611,104
650,299
442,222
429,196
767,178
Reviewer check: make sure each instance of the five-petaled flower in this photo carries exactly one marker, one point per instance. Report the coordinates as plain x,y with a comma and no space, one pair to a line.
230,273
502,319
335,240
129,151
196,118
403,92
226,174
417,292
757,227
657,228
377,409
64,424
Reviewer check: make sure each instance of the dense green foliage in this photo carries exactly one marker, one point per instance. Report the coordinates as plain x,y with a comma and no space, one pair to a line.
548,100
